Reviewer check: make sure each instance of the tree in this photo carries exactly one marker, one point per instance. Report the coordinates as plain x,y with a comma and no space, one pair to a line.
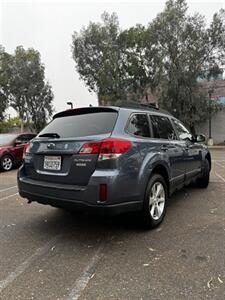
7,125
169,57
4,61
96,53
140,62
115,64
189,51
27,91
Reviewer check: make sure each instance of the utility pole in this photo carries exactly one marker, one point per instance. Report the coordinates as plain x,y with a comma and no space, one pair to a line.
210,140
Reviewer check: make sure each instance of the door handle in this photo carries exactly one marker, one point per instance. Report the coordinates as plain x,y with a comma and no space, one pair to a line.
164,148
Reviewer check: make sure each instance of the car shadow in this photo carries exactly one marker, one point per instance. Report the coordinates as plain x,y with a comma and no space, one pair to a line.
59,221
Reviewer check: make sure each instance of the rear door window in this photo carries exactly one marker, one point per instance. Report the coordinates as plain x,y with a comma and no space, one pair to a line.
138,125
82,125
162,128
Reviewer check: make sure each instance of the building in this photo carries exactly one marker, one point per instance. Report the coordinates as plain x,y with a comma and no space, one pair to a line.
218,120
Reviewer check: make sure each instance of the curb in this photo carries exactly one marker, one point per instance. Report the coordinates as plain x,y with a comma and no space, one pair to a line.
217,147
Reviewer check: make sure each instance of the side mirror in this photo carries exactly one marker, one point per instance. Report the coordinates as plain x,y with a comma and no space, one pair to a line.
186,137
200,138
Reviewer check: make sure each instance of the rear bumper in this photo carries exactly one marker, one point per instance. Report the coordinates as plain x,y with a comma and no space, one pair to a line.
82,206
73,197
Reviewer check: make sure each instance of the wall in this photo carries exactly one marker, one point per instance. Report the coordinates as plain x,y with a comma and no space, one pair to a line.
218,128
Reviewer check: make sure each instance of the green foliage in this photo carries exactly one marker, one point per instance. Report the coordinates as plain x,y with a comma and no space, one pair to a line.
4,75
24,86
9,124
189,49
168,57
96,53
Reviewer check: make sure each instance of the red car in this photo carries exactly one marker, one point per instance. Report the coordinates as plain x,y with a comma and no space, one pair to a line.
11,149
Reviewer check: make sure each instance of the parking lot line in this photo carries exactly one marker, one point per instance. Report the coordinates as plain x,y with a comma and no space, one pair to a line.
4,198
87,274
4,190
219,165
218,175
218,160
21,268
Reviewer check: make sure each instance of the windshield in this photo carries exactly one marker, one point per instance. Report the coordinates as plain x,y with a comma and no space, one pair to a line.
81,125
6,138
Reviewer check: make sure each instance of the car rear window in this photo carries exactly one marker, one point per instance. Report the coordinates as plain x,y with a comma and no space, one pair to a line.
6,138
82,125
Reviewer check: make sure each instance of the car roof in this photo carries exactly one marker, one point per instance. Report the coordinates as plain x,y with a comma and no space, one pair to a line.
143,110
110,108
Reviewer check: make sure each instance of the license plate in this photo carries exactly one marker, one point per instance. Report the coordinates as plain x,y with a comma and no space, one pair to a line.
52,163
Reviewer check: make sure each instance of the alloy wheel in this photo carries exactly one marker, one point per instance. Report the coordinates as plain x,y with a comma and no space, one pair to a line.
157,200
7,163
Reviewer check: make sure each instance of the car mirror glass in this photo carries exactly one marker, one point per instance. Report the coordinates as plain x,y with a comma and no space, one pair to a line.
200,138
186,137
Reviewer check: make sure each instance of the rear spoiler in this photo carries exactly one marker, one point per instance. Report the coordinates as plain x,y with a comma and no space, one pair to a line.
84,110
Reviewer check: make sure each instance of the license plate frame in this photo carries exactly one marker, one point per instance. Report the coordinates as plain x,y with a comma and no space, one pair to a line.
52,163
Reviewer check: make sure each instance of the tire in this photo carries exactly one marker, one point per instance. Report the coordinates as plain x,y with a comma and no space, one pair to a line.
6,163
154,208
203,181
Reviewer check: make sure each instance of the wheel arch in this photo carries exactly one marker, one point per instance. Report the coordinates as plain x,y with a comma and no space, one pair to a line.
208,157
7,154
162,170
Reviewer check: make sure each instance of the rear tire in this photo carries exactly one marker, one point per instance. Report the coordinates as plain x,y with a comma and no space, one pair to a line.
6,163
154,208
203,181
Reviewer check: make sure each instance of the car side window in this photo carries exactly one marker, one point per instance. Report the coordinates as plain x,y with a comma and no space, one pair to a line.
25,138
162,128
138,125
182,132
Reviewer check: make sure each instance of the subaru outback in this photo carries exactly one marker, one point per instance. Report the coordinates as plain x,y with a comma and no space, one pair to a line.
113,160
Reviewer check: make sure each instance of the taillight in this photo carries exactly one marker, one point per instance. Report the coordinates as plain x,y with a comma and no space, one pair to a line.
90,148
26,150
107,149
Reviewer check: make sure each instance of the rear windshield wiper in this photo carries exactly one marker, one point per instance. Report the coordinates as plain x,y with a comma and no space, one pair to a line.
50,134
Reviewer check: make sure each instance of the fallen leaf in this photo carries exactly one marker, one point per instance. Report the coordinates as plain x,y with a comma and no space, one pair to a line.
219,279
151,249
209,283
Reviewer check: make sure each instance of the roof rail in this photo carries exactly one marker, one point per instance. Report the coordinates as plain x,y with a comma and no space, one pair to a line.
132,104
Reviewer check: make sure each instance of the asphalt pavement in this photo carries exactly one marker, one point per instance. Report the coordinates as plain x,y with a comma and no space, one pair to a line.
47,253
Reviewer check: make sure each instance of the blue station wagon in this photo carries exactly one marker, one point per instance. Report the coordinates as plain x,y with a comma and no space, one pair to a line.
113,160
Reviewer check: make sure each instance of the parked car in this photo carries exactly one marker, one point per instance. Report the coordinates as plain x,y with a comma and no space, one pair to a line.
12,148
113,160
